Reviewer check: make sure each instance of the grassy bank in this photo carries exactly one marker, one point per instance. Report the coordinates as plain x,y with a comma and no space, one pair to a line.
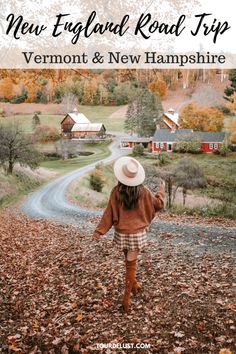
220,173
96,114
13,187
80,191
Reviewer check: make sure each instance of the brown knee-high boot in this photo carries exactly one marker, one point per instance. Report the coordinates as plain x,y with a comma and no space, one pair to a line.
136,285
129,282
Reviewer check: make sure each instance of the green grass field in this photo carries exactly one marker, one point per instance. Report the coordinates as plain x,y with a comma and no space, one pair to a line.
221,175
97,114
100,151
219,171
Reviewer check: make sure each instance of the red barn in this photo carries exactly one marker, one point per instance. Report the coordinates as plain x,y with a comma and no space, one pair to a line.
76,125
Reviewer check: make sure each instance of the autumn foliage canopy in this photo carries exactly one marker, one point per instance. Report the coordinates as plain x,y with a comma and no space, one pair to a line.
201,118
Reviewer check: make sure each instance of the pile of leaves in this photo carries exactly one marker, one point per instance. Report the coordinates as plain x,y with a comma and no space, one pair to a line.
61,293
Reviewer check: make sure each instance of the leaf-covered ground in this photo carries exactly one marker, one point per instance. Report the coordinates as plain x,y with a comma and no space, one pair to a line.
61,293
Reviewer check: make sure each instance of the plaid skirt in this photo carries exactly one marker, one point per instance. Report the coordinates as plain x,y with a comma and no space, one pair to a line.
130,241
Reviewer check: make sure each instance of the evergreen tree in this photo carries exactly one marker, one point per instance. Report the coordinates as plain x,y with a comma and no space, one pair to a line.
143,114
35,120
149,111
230,90
130,121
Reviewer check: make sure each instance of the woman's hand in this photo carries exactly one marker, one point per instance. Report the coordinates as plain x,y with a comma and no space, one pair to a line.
162,184
96,236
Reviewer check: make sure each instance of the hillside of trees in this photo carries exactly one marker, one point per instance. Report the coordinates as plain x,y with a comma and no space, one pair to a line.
204,98
97,87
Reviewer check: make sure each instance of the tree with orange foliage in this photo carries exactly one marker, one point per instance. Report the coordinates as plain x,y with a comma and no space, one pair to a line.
32,89
201,118
159,87
90,91
6,88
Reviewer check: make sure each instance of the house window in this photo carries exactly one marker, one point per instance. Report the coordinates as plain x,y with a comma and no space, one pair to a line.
159,145
211,146
215,146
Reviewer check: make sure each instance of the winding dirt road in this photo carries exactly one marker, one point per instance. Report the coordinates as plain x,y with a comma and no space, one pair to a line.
49,202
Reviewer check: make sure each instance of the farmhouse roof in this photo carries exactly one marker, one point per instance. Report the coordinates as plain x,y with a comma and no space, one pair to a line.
165,135
172,115
90,127
210,137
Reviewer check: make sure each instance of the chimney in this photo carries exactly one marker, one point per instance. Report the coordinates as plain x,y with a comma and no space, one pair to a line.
75,110
158,127
171,111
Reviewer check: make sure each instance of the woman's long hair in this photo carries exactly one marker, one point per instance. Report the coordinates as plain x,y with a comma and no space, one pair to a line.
128,196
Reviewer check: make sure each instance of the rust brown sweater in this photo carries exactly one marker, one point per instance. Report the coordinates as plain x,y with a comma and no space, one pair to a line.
134,220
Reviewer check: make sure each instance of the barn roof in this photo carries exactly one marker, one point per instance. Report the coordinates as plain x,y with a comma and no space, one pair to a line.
165,135
90,127
79,118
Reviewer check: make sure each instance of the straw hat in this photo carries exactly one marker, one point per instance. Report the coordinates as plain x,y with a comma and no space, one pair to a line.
129,171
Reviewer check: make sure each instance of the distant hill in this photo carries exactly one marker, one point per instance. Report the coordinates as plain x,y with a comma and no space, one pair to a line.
204,94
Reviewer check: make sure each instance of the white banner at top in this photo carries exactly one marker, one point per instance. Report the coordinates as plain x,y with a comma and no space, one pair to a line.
117,34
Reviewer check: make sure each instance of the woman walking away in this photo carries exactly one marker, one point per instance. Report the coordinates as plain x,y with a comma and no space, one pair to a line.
130,209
